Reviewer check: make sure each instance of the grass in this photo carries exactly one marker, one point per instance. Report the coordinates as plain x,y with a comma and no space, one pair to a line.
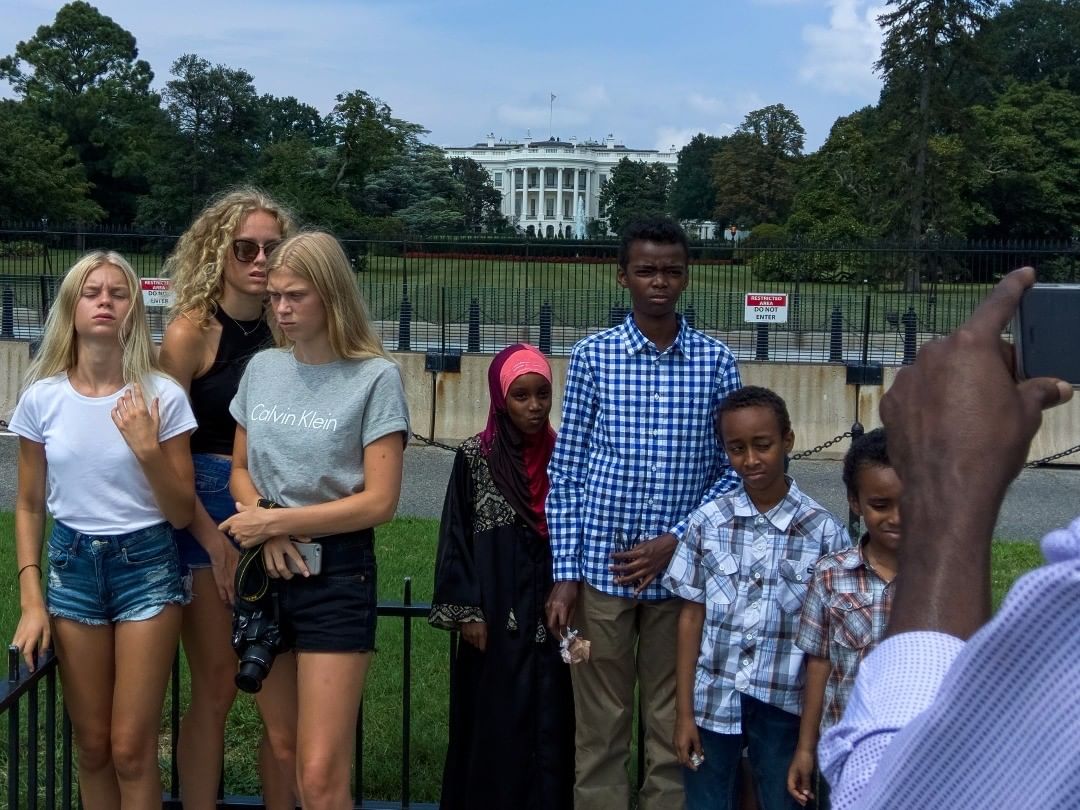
405,548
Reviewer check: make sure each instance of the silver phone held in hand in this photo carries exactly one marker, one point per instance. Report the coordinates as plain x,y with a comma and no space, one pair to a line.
1046,333
312,554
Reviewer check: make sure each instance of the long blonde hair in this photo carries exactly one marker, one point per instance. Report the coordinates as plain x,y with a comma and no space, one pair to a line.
197,265
59,343
318,258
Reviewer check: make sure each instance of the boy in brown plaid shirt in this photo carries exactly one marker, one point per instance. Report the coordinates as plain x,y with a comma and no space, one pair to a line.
847,608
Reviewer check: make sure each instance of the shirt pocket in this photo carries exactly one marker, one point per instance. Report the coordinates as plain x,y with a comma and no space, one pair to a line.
721,575
794,581
852,617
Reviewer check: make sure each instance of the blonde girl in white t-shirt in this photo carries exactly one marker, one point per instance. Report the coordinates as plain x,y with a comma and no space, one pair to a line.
108,433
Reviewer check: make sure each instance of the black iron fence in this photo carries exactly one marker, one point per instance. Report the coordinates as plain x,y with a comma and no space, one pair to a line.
38,766
876,302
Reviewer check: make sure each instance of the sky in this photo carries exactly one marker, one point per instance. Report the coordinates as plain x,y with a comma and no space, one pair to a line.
651,74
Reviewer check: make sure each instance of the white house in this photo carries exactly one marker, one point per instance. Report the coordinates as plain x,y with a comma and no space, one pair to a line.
542,181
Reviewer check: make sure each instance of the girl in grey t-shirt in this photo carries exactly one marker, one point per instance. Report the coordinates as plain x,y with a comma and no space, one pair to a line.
321,430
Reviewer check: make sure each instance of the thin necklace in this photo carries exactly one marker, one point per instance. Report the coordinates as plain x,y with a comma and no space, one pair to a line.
247,332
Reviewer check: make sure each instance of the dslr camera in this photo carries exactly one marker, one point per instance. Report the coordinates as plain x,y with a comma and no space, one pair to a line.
256,633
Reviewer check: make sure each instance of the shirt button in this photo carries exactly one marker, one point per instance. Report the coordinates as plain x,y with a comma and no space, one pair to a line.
847,605
656,433
754,605
750,636
757,577
798,577
656,396
746,662
760,520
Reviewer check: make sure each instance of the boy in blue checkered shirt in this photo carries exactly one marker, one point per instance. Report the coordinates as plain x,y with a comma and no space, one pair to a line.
742,570
636,454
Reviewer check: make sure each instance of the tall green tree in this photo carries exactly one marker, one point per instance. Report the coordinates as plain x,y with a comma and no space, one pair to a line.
693,195
1028,150
420,190
215,116
927,48
481,202
841,191
754,169
635,189
81,74
40,174
367,137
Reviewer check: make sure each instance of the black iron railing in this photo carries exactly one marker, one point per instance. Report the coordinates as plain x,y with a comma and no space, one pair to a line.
37,724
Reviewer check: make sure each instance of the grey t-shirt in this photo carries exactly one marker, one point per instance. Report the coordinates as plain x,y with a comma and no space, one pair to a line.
307,425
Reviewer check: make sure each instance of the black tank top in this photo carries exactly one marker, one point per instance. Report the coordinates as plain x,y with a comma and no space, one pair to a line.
213,391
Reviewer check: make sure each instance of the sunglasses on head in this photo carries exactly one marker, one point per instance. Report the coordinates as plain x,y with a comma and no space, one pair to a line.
247,251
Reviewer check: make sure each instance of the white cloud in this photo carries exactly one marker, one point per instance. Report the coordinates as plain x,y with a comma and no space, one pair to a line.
840,56
666,137
704,104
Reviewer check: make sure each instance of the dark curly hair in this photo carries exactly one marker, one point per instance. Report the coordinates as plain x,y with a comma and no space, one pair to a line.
662,230
869,450
754,396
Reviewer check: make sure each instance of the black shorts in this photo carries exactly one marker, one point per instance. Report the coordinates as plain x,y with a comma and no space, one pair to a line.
334,611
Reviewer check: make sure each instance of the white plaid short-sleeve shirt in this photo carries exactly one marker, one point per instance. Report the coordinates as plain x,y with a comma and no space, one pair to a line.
752,571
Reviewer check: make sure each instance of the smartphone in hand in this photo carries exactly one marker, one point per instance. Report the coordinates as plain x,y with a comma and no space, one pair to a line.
1046,333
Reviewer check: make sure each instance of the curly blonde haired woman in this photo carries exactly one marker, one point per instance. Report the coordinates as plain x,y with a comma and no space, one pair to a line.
219,277
106,435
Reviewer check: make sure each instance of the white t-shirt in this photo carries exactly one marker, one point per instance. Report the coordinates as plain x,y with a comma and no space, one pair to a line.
96,485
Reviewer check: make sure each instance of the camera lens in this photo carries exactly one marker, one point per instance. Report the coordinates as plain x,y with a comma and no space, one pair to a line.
254,666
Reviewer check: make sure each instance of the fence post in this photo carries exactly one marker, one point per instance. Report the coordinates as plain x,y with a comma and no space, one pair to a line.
545,328
761,341
836,335
853,519
7,318
911,332
404,329
474,326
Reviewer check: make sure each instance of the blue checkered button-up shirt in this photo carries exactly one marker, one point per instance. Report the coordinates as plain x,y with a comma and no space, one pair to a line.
637,448
752,571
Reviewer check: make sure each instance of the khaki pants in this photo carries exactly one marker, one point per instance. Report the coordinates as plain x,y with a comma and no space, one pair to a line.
631,641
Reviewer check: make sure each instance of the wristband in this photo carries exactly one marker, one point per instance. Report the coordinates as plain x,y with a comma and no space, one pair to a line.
18,576
266,503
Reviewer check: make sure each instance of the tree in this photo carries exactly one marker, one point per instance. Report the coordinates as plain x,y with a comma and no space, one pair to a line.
420,190
753,170
693,195
287,118
367,137
39,173
635,189
215,115
841,188
81,75
927,48
1028,149
481,201
777,129
1030,41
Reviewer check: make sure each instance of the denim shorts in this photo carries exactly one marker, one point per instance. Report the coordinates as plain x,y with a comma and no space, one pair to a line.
334,611
212,488
106,578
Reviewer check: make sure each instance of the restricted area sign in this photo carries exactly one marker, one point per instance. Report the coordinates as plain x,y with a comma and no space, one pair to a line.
766,308
157,292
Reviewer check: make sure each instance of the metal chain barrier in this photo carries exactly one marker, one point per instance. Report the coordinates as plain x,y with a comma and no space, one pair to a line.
807,453
1042,462
433,443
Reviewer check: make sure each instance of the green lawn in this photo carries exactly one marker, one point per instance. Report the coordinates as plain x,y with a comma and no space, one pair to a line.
405,548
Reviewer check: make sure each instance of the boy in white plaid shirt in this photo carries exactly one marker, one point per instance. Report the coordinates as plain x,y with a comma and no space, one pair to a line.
742,569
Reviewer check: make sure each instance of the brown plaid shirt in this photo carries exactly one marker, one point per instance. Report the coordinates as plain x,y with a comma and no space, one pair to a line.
843,619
